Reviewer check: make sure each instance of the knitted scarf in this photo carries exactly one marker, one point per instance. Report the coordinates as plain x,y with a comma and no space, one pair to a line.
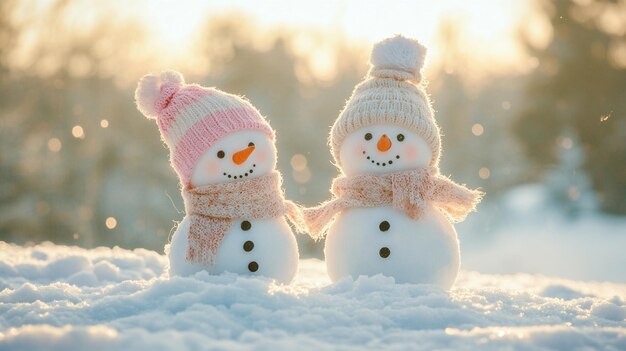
407,191
212,209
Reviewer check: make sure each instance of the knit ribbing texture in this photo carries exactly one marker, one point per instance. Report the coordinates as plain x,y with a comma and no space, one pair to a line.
213,208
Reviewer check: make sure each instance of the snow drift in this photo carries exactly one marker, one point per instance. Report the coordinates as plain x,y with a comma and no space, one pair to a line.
61,298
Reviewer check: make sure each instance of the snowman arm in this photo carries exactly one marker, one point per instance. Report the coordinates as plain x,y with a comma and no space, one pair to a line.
455,200
319,219
295,215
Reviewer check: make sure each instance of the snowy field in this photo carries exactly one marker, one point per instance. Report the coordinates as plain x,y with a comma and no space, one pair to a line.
68,298
525,231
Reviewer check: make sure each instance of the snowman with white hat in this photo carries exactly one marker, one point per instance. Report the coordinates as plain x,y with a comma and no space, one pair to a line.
392,209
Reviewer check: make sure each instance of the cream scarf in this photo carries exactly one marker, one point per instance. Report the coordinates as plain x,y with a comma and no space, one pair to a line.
407,191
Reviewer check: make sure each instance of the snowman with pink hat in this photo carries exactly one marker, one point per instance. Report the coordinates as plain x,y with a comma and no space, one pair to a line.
224,153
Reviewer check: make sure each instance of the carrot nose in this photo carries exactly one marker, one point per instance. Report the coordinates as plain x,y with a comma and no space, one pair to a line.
241,156
384,143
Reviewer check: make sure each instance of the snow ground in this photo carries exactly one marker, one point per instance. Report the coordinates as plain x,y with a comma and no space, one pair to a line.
526,231
69,298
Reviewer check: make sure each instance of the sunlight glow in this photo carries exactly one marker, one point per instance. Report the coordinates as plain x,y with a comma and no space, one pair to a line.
487,29
176,20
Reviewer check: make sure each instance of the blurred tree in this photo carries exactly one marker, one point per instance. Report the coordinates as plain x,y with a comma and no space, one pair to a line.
71,156
474,115
580,87
300,110
74,150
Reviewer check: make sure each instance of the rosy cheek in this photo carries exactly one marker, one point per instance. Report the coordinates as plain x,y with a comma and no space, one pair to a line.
212,168
262,156
411,152
357,150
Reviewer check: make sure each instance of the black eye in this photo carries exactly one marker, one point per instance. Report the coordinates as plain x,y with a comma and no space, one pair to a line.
250,144
220,154
400,137
368,136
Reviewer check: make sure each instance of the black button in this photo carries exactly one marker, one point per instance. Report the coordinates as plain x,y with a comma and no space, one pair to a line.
253,266
248,246
384,252
245,225
384,226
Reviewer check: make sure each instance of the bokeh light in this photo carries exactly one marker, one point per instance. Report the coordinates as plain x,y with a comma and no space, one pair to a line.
298,162
484,172
54,144
477,129
78,132
111,222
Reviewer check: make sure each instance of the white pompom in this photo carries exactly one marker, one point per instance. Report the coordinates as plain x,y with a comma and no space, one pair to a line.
149,88
399,53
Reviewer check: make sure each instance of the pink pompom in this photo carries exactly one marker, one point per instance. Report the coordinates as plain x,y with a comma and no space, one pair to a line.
149,90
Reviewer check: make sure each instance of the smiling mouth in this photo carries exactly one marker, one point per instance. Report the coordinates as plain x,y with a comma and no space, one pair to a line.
239,176
378,163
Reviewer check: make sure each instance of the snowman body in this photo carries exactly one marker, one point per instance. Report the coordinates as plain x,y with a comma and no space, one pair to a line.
259,247
265,247
384,240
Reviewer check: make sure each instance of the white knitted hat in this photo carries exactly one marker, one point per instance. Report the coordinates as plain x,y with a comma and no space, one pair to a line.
391,94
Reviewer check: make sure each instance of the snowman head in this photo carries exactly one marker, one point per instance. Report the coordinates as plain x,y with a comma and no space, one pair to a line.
388,123
383,148
211,134
237,156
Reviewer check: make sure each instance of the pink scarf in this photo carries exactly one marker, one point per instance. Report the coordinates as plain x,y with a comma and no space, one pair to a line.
407,191
212,209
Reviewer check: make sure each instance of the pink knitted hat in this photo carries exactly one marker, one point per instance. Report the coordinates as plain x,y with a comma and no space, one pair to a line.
191,118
